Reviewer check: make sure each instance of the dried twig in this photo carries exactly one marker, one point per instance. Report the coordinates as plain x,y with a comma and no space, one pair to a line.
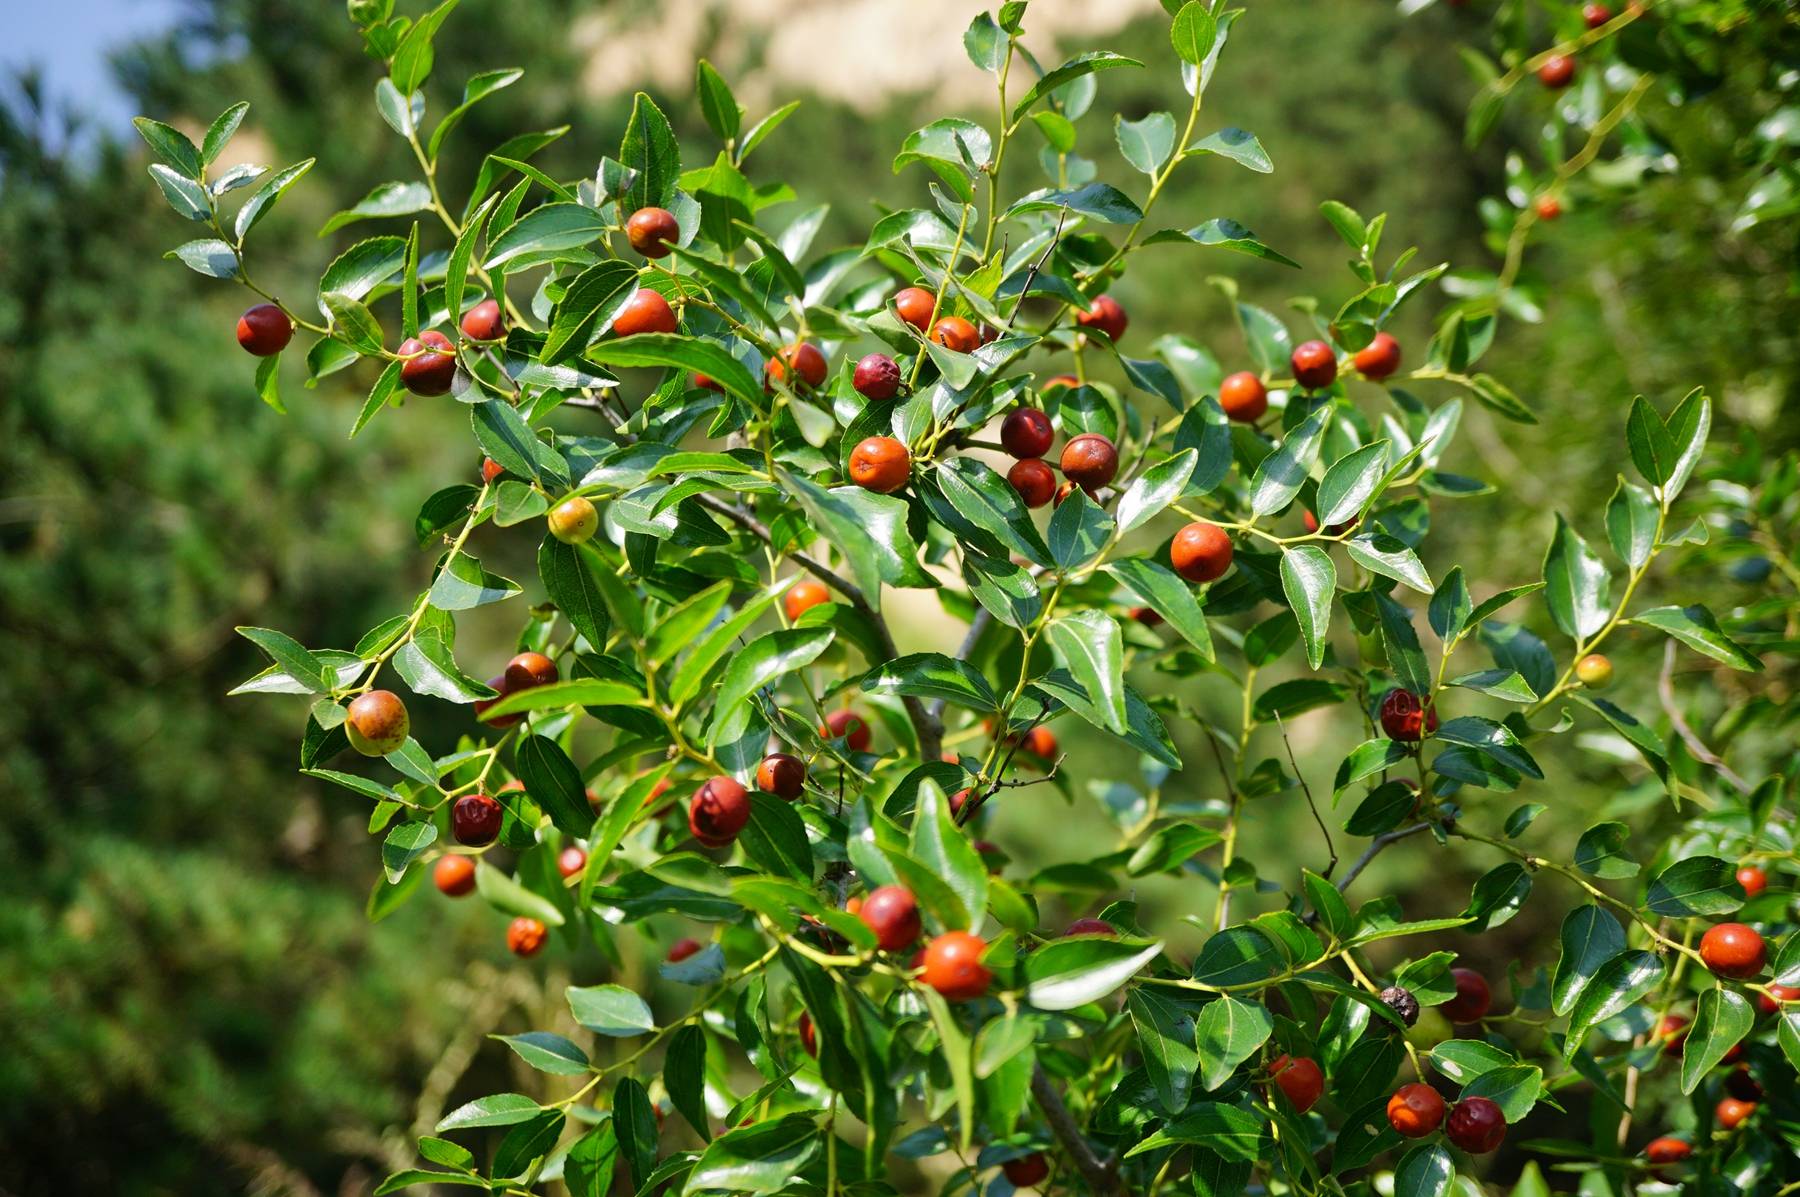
1665,690
1310,804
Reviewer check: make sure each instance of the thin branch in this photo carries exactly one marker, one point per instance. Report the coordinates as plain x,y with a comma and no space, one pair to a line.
1102,1175
1374,849
1310,804
1665,689
925,725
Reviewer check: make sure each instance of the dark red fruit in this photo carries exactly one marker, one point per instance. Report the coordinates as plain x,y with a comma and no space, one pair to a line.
265,330
801,364
1672,1030
1770,1002
1026,432
1091,927
1379,358
1733,950
1144,615
809,1038
645,312
1473,998
877,377
681,949
848,726
525,937
1415,1110
1404,717
1201,552
916,306
892,913
501,690
1035,481
782,775
1244,397
528,670
1741,1085
1476,1125
953,966
1299,1080
571,862
454,875
1090,461
428,364
483,323
1315,365
1557,71
718,811
1668,1150
1104,315
475,820
1027,1170
653,232
1595,15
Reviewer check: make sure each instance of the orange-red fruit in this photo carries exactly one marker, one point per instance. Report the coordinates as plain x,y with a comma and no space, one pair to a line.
1672,1029
525,937
1091,927
706,382
681,949
1035,481
1730,1112
653,231
1473,997
645,312
1315,365
1549,208
1067,489
265,330
1733,950
892,913
1404,717
572,861
1090,461
809,1038
454,875
877,377
490,470
1066,381
1041,743
848,726
782,775
1026,433
1299,1079
801,364
1476,1125
1200,552
1244,397
529,669
956,334
1595,15
1557,71
376,723
1144,615
881,464
1027,1170
1753,879
428,365
501,690
1771,1002
1379,358
802,597
1415,1110
718,811
953,966
916,305
1104,315
483,323
475,820
1668,1150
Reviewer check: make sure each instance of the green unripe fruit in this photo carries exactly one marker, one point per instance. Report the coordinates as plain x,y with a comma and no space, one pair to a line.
1594,671
574,521
1431,1029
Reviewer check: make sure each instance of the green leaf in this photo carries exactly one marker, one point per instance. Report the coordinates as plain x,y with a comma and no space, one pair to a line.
408,1177
986,43
1618,983
291,656
1168,595
1165,1032
501,1109
1326,899
429,666
1309,580
588,309
504,893
1146,143
1227,1032
684,353
1193,32
1426,1170
760,1158
1079,530
933,675
1695,627
1390,557
1090,646
1074,68
1577,586
568,573
210,257
651,150
765,661
720,108
463,584
1101,201
387,199
1008,591
1451,607
1066,973
1504,684
504,436
1225,1130
1350,484
403,845
547,1052
1721,1019
1631,519
554,782
187,197
1688,426
987,500
1494,740
264,197
361,268
1154,490
1222,233
946,851
1279,477
412,58
1405,656
611,1010
1652,448
1695,886
1238,956
547,230
354,324
171,145
1601,851
1239,145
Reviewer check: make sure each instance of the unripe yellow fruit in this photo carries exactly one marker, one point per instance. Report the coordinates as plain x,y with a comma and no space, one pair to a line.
1431,1029
574,521
1594,671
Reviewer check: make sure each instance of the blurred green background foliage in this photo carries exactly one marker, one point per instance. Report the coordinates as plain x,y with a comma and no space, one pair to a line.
195,1000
